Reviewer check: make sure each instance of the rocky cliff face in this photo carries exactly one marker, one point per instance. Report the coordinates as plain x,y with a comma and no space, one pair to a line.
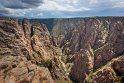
90,43
27,53
86,50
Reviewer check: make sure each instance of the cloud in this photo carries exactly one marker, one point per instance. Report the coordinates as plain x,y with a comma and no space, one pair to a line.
52,5
119,5
3,12
20,4
32,2
60,8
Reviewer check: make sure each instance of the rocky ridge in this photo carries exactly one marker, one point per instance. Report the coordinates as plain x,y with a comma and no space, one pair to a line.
89,44
27,53
86,50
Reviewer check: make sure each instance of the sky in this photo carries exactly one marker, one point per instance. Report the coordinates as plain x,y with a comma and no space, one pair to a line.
61,8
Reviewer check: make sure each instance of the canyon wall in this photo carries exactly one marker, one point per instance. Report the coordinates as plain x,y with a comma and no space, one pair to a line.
85,50
89,43
27,53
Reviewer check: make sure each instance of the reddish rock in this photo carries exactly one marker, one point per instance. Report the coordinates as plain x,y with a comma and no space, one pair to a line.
104,76
103,55
31,40
83,65
111,72
103,34
118,67
15,69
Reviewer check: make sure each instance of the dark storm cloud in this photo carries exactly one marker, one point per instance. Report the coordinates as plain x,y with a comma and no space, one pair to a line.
61,8
20,4
32,2
4,12
7,5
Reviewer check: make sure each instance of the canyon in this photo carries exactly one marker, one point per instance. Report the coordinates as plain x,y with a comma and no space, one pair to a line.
62,50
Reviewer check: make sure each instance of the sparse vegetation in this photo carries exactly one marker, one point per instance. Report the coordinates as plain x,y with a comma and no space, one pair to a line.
88,78
75,42
47,63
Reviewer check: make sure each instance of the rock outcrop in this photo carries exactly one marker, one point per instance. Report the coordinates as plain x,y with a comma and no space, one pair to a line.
31,41
110,73
102,35
83,66
17,69
88,50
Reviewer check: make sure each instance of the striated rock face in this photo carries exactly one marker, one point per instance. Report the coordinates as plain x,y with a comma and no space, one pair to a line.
78,37
83,65
103,36
88,50
27,53
105,33
21,41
